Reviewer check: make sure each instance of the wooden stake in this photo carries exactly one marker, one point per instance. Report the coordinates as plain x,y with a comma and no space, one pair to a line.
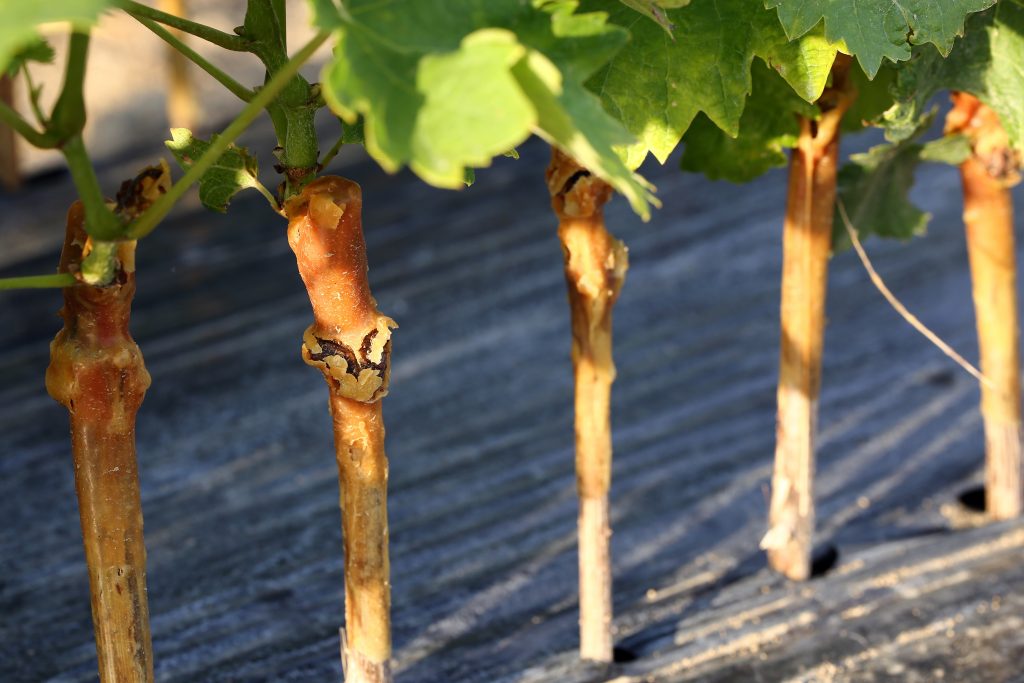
350,342
595,268
96,371
806,244
988,218
182,108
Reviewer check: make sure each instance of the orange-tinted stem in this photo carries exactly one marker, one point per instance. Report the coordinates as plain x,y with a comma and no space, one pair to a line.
806,244
349,341
595,268
987,176
96,371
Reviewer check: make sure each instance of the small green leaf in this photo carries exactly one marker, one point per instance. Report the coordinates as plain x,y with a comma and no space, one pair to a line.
233,172
469,178
873,187
512,153
38,51
874,30
19,20
352,133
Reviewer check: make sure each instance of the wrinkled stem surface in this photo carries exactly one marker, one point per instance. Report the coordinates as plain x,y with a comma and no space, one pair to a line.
349,342
806,243
988,218
96,371
595,268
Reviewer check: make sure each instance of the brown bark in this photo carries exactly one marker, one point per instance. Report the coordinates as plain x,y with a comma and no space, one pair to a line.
96,371
350,342
595,268
10,174
806,244
988,218
182,107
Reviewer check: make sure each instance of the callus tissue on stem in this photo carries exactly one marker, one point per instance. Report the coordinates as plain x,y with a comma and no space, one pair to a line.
350,342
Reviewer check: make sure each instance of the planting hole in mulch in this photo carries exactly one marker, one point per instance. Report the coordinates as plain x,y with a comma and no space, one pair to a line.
823,560
622,655
973,499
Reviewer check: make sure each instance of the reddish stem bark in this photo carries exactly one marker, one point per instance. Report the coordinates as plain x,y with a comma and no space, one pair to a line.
988,218
595,268
350,342
96,371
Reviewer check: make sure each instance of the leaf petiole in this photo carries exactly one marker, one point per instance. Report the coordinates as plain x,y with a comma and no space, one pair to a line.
23,128
55,281
207,33
236,88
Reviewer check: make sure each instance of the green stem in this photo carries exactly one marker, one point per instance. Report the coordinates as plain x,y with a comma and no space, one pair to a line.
236,88
55,281
68,117
207,33
100,221
154,214
33,95
23,128
332,152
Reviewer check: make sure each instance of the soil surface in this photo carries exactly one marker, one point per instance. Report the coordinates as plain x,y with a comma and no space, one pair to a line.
240,488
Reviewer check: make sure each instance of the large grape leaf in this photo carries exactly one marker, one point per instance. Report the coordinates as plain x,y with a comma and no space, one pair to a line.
656,85
987,62
877,29
19,19
767,128
446,85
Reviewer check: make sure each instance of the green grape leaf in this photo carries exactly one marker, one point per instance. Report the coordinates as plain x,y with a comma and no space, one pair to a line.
353,133
873,188
874,97
874,30
949,149
37,50
767,128
656,86
19,20
655,10
236,169
986,62
446,85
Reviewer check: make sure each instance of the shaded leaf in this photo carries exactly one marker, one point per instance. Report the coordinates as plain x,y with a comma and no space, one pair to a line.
19,20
